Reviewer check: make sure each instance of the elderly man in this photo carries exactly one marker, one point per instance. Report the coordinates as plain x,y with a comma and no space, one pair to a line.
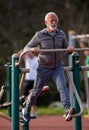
50,63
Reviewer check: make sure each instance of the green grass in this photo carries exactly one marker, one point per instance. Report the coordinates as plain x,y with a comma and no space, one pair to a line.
85,111
4,111
48,111
54,111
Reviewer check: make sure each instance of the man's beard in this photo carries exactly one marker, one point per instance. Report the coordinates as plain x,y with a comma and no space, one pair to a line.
52,27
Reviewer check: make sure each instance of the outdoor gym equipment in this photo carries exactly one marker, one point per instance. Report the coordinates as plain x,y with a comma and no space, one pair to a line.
13,98
15,90
44,89
23,72
75,90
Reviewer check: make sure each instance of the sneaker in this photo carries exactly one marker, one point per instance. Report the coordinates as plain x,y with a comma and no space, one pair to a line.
24,103
26,114
22,100
70,112
33,115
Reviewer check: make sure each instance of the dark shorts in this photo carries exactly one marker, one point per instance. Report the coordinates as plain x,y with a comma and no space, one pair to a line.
28,85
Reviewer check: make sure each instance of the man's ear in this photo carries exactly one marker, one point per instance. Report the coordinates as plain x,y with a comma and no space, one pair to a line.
45,22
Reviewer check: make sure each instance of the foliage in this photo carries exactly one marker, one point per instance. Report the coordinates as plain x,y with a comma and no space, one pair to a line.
80,3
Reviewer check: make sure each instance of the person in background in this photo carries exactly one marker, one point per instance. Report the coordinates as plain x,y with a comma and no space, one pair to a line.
50,64
31,63
83,43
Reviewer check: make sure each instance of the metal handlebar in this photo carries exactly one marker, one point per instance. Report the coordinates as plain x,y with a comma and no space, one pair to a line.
80,36
23,73
6,104
77,97
47,50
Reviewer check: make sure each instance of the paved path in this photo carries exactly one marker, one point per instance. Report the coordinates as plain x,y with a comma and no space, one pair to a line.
47,123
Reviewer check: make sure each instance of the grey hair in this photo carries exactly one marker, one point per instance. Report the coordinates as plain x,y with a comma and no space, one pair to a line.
50,13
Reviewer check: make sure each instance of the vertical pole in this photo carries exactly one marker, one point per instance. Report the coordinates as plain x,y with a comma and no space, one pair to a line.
76,79
26,125
71,43
9,86
15,93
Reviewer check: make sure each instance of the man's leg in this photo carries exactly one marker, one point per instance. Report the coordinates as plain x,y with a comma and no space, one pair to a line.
59,79
43,75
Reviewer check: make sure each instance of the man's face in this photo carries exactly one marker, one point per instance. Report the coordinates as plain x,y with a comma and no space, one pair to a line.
51,23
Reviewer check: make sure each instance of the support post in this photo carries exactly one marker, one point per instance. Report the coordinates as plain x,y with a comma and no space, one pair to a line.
76,79
9,86
25,125
71,33
15,93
